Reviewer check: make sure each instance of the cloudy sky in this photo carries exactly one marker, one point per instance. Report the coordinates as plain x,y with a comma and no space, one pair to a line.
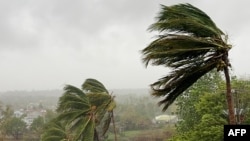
45,44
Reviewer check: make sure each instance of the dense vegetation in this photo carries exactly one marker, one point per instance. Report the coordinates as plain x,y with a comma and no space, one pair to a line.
201,109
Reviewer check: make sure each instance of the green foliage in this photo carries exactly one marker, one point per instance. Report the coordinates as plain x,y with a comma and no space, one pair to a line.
141,109
190,44
50,115
200,110
210,103
203,107
241,93
134,120
56,130
209,125
7,113
14,127
94,86
37,124
81,111
188,104
185,18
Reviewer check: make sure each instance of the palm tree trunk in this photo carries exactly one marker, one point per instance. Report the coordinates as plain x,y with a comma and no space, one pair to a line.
96,136
229,97
113,122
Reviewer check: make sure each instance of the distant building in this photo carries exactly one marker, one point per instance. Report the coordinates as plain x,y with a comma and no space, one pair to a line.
30,115
18,113
166,119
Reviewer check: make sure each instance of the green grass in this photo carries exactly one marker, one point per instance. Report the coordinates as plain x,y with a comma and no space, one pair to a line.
161,132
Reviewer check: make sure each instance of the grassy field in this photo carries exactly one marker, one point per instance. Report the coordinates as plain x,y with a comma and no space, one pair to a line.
157,134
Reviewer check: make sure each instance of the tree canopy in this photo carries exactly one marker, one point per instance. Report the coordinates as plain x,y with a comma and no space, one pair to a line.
82,111
191,45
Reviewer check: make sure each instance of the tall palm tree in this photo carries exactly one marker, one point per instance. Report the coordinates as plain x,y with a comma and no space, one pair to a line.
83,110
191,45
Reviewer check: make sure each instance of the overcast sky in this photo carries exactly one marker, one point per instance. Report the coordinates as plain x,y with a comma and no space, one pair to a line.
45,44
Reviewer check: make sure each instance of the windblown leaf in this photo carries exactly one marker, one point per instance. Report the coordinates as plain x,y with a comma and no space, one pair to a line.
56,130
73,98
94,86
185,18
85,132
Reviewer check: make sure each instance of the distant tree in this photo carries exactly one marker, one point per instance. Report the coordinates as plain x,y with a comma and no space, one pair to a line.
7,113
191,45
1,121
40,106
1,107
201,111
134,120
241,93
202,108
49,115
187,112
14,127
141,109
209,126
36,127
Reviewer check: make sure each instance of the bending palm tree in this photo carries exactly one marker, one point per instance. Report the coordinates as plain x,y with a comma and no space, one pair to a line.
191,45
82,110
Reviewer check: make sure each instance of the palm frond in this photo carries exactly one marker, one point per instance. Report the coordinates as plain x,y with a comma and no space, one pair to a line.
173,85
73,98
99,99
85,132
177,49
55,130
94,86
69,102
72,116
185,18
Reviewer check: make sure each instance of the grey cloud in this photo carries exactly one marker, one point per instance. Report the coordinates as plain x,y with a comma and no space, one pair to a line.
47,43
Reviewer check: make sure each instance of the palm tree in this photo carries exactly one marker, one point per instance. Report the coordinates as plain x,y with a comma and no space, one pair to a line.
191,45
83,110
